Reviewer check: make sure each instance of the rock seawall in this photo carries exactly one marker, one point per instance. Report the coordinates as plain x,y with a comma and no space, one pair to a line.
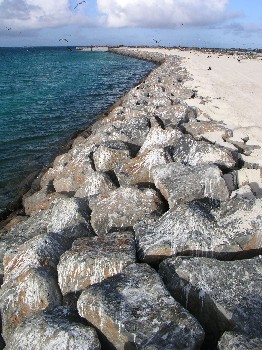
146,234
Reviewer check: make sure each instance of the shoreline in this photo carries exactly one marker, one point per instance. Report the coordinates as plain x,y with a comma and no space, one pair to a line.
150,220
31,182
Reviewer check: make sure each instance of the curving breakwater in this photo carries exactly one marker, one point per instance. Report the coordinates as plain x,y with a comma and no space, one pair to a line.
145,234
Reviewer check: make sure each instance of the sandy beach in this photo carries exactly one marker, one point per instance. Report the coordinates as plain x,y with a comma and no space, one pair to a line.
231,91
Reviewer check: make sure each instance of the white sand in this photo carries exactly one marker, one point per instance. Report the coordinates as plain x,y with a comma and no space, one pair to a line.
231,90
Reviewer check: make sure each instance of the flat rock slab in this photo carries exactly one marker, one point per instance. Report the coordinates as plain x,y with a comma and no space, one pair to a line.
223,295
123,208
181,183
192,152
134,310
235,341
53,330
200,128
91,260
234,229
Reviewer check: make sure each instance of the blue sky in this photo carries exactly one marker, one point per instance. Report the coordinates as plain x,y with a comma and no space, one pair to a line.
202,23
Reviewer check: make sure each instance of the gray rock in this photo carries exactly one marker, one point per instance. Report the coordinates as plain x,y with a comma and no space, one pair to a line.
70,216
97,183
231,180
233,230
159,138
223,295
34,290
91,260
235,341
130,129
134,310
241,220
53,330
59,165
40,251
186,229
181,183
199,128
107,158
191,152
123,208
30,282
38,201
174,115
24,231
138,169
72,173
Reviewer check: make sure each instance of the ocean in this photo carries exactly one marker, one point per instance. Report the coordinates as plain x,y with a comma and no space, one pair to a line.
46,95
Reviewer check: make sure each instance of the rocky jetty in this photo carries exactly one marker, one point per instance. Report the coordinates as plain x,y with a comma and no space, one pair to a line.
146,234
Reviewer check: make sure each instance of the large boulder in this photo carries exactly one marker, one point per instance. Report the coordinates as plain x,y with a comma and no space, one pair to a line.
181,183
35,289
97,183
131,128
173,116
24,230
194,228
70,216
134,310
138,169
30,282
122,208
192,152
71,174
159,138
53,330
40,200
110,154
91,260
223,295
40,251
199,129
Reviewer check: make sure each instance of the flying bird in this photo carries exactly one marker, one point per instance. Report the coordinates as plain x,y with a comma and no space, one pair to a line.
8,28
69,48
79,3
64,40
157,41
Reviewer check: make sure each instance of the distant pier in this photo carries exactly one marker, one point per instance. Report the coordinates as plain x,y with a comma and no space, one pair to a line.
92,48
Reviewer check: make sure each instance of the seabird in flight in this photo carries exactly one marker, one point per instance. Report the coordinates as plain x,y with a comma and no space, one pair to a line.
79,3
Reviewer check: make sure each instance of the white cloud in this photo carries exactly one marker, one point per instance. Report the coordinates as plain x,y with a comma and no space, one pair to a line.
161,13
36,14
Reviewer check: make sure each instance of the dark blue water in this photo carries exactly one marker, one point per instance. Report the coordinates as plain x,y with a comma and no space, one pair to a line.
46,94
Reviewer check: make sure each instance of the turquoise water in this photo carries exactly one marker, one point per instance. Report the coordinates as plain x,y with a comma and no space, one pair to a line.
46,94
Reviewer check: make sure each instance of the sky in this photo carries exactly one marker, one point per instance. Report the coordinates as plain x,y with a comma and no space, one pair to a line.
198,23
